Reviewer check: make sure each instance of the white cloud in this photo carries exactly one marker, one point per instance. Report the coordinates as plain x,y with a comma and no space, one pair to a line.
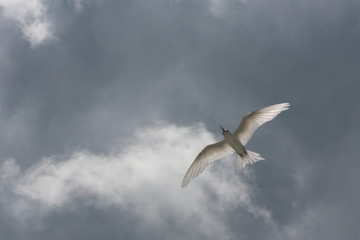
31,15
144,176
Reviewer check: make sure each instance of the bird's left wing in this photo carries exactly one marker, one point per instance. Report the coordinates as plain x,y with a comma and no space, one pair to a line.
208,155
257,118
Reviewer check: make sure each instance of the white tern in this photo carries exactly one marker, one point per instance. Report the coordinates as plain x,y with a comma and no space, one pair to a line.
234,142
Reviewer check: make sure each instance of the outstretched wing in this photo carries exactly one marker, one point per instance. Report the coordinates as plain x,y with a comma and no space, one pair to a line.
208,155
257,118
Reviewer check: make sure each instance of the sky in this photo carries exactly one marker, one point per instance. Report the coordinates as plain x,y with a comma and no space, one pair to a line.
104,105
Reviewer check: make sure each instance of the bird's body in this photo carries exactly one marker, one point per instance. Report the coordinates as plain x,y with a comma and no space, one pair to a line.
235,142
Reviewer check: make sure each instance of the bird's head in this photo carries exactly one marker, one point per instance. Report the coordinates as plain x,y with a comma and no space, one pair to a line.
224,129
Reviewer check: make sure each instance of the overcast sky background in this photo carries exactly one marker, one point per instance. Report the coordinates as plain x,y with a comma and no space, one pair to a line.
104,104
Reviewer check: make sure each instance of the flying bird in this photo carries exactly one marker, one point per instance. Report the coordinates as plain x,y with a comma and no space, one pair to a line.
235,142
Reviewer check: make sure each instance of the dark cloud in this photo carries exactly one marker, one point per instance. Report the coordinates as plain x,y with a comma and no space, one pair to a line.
116,66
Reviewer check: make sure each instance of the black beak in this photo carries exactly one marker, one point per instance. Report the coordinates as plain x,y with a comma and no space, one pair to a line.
223,129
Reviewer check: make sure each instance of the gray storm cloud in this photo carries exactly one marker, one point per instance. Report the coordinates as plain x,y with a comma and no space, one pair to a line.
77,77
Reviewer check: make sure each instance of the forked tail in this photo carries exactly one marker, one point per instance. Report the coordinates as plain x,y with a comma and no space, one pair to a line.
250,157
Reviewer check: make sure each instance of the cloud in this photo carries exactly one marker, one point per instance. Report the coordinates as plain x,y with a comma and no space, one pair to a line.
139,61
143,177
32,17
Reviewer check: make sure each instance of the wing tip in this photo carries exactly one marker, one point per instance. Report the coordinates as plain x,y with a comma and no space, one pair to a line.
187,178
184,183
286,104
282,106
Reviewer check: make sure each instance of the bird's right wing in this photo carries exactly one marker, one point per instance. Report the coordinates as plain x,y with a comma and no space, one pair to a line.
208,155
